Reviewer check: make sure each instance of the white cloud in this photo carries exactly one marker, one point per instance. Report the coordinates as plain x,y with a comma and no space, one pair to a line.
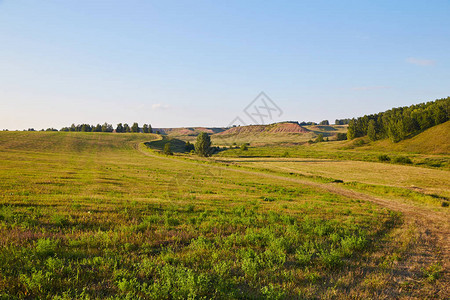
369,88
420,62
158,106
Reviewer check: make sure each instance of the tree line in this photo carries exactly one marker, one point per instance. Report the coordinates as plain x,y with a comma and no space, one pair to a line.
401,122
342,121
120,128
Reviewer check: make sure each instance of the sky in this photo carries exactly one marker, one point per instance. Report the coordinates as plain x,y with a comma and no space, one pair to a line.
201,63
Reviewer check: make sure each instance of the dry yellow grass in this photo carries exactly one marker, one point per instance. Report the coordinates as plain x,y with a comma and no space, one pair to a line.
426,180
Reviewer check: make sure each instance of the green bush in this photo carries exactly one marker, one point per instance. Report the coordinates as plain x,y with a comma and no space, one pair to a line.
402,160
384,157
319,138
167,150
341,136
359,143
189,147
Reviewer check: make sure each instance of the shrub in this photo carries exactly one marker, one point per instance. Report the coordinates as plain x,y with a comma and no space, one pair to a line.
244,147
341,136
188,147
384,157
167,150
402,160
358,143
319,138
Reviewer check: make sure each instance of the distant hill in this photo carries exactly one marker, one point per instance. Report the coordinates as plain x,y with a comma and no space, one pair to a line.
288,133
435,140
283,127
188,131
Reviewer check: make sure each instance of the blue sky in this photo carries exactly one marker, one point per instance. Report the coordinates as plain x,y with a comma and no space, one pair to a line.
199,63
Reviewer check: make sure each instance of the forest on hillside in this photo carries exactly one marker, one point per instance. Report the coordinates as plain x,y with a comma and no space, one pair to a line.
401,122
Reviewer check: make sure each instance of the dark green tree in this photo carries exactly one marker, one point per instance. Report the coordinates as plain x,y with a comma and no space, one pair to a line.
97,128
85,128
371,130
319,138
126,128
145,128
167,150
135,127
351,130
203,145
119,128
188,147
107,127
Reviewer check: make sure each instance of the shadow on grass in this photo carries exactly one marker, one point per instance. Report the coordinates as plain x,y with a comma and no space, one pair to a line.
176,145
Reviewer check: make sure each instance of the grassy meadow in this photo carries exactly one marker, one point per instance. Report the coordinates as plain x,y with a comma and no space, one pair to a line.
101,216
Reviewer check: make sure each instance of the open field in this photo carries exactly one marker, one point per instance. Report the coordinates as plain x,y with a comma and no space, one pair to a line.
428,181
91,215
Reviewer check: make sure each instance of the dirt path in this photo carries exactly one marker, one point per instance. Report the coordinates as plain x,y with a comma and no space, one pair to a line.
433,226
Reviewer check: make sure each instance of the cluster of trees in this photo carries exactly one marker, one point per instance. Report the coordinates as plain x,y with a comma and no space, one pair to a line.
342,121
307,123
32,129
324,122
202,146
89,128
319,139
400,123
146,128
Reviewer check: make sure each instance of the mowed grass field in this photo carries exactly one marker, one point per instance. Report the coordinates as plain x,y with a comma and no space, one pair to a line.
100,216
432,183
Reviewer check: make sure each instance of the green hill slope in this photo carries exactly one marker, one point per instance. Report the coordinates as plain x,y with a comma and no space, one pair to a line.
435,140
69,142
